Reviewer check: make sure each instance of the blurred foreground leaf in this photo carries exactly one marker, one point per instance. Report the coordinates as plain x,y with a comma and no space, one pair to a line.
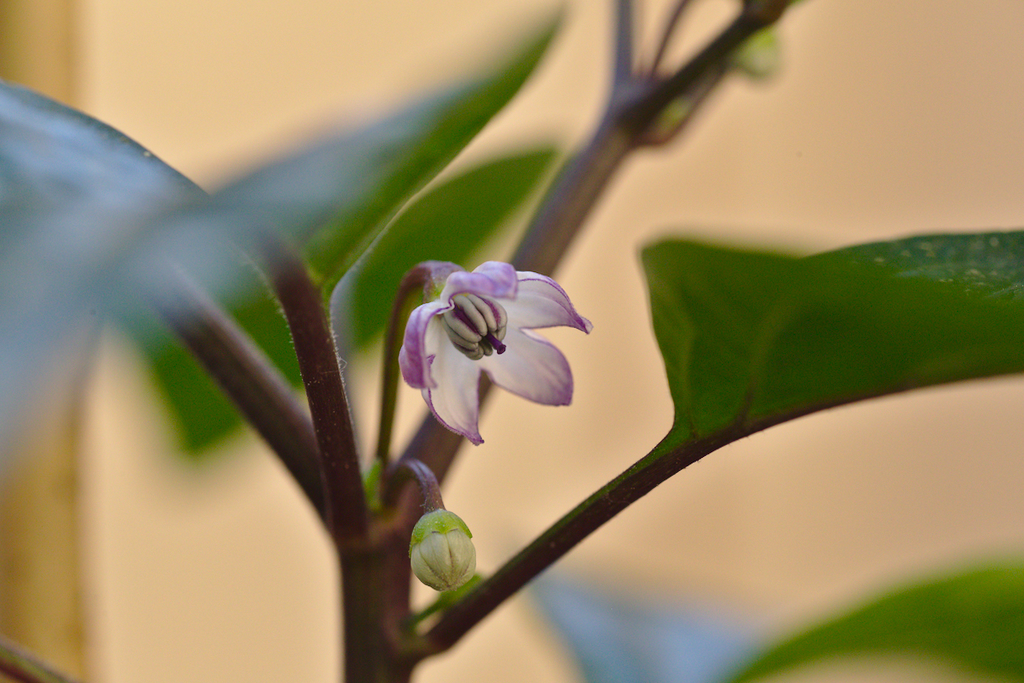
617,639
753,339
973,620
76,198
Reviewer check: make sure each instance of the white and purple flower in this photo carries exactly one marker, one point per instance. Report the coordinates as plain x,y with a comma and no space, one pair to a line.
482,322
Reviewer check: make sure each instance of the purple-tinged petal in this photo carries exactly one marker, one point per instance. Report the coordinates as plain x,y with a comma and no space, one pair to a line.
540,302
491,279
455,401
414,356
532,368
439,272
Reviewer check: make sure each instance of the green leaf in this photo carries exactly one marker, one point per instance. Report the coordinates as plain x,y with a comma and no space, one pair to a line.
385,164
989,264
448,223
753,339
973,620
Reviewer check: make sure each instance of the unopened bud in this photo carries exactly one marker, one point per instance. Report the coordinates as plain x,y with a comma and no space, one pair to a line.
441,553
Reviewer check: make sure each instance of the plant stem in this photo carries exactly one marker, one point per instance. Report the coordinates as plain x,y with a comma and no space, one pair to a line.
361,588
666,35
347,516
359,558
637,481
18,665
622,72
250,380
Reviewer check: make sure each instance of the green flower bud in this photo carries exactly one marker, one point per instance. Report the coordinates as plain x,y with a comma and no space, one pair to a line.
441,553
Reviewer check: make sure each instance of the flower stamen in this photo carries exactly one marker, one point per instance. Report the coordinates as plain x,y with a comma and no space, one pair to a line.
475,326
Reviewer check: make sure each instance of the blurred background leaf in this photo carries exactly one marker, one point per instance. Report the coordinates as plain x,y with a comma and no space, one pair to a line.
973,620
620,639
393,173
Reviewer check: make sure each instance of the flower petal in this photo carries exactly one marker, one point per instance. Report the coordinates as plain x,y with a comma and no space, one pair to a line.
532,368
492,279
454,400
414,356
540,302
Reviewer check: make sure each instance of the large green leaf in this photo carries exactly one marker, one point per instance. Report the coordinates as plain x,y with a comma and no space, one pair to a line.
752,339
986,264
448,223
973,620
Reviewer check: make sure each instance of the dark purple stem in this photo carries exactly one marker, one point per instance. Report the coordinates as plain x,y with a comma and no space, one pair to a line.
249,379
325,391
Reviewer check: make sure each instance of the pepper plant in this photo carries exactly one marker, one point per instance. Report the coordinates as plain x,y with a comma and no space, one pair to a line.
93,221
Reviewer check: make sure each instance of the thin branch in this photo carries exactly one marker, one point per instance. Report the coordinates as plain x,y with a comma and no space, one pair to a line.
325,391
666,459
650,103
19,665
250,380
622,73
636,482
666,35
666,129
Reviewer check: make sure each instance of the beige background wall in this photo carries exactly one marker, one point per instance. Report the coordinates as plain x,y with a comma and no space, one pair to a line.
889,118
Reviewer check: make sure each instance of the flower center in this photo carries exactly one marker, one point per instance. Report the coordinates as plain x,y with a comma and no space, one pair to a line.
475,325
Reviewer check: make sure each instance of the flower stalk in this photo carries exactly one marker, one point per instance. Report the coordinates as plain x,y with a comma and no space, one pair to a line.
410,294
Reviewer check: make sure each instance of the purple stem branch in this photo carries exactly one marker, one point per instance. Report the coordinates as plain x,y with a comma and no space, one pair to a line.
250,380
